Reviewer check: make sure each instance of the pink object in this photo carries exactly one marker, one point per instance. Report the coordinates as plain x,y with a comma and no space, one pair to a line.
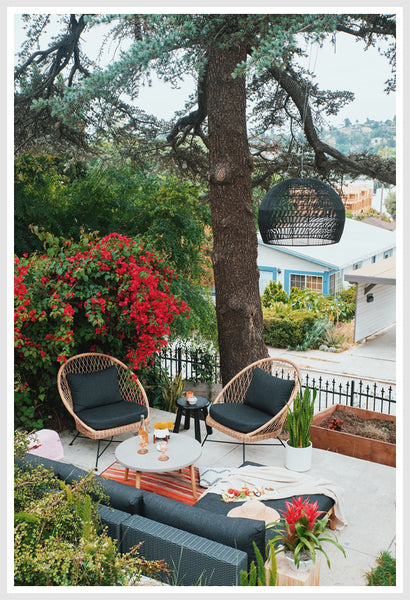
46,443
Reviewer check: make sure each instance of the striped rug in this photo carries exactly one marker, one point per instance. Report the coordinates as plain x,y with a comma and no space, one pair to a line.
172,484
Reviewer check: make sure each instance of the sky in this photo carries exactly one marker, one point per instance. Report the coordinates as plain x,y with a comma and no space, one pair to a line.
347,66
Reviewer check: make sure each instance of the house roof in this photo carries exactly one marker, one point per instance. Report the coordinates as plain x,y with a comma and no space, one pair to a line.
358,242
390,225
383,271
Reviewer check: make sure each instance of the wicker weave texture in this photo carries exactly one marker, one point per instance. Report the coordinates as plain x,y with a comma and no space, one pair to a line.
301,212
236,389
130,388
192,558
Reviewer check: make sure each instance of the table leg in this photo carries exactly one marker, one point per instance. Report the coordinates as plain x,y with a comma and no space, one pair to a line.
138,479
187,416
197,428
126,473
177,420
192,472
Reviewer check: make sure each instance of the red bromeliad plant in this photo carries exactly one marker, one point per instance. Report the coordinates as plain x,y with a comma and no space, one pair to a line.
300,530
110,295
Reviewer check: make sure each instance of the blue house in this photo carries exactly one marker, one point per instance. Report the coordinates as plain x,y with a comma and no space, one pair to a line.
322,268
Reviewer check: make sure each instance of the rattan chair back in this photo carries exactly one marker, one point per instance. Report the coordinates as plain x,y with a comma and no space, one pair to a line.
131,389
236,389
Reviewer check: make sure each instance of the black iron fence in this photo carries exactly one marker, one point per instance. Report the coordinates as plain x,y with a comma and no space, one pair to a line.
201,366
352,392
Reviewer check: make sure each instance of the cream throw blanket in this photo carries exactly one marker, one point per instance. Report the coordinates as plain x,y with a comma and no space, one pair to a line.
277,482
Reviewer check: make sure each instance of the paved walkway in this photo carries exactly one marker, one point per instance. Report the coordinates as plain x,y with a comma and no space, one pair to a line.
372,360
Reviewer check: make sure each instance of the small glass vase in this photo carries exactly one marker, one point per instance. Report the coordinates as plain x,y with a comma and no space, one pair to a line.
304,563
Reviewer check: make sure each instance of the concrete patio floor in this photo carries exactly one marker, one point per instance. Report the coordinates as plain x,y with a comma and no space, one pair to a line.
369,502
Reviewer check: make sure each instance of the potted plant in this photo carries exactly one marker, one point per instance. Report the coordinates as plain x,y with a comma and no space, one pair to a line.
298,422
300,533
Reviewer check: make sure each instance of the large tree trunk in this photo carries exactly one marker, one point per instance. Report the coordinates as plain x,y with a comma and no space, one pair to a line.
238,305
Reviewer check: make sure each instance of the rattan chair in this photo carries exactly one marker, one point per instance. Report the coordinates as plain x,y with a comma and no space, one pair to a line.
235,392
130,390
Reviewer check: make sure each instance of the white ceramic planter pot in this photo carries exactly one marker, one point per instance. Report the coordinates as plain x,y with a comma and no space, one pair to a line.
298,459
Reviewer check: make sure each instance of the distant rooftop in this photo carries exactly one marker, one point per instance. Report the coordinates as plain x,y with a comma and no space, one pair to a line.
391,226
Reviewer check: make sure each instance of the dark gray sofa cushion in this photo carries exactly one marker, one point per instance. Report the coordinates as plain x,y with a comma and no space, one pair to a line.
94,389
236,533
212,502
113,415
121,497
267,392
239,417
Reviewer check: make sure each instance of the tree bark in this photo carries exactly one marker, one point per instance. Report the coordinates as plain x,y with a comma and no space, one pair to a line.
238,305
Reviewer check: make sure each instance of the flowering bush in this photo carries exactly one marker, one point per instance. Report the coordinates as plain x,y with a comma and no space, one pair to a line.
110,295
300,530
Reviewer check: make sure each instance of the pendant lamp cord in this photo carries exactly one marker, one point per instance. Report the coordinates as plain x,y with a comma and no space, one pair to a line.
306,102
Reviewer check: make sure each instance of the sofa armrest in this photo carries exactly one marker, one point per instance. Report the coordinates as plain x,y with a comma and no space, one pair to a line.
192,559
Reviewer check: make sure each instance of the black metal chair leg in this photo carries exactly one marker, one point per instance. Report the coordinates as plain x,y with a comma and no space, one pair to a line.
74,438
243,452
98,455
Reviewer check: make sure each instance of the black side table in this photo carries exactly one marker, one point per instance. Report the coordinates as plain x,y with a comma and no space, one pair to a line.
197,409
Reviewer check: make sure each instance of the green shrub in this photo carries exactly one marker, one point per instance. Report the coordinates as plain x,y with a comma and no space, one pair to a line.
273,293
340,307
286,328
315,335
384,573
59,539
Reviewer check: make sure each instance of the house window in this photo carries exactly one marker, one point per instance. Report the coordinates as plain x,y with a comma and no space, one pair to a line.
313,282
332,284
357,265
388,253
373,259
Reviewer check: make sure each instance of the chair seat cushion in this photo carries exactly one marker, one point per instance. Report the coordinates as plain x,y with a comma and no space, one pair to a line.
267,392
99,388
113,415
238,417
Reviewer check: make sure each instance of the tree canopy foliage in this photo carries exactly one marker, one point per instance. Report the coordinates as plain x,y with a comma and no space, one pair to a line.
238,61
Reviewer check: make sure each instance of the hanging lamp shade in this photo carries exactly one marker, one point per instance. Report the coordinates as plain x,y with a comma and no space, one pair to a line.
301,212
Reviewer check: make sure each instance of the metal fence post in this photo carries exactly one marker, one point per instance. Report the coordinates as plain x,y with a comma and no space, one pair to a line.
352,394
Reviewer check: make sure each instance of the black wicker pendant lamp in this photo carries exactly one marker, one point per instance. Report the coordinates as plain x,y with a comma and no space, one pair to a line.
301,212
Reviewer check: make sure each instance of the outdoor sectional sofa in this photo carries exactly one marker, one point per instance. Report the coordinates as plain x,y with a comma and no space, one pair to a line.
200,544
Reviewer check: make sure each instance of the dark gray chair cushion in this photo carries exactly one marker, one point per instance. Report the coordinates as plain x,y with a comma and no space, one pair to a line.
236,533
113,415
94,389
267,392
238,417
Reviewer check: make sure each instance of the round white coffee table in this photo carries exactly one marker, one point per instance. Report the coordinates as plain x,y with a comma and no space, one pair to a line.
183,451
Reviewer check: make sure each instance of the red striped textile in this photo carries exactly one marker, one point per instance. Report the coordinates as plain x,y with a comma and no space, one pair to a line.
172,484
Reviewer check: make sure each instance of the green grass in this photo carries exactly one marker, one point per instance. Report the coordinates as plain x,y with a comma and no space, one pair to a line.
384,573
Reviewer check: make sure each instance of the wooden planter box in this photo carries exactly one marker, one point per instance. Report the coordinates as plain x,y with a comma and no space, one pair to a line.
353,445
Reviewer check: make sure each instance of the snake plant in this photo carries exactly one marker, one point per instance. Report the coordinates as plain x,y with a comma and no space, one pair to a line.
299,418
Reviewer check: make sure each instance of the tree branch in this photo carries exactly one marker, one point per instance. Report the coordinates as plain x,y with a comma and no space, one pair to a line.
193,121
298,93
65,49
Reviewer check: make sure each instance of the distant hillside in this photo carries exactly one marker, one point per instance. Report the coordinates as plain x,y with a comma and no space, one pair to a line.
370,136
